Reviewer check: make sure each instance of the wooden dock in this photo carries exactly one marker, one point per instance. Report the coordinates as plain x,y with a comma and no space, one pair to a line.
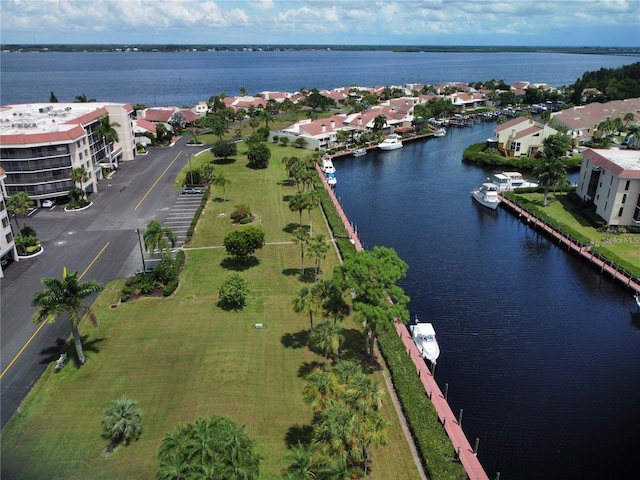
583,251
461,445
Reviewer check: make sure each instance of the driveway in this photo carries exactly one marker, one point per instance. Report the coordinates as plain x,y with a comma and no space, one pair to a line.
100,243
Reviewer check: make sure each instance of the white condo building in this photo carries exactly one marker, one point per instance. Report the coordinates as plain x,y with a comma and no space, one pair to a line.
7,246
41,143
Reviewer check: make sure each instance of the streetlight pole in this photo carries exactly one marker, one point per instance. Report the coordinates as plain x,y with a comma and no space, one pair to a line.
144,266
190,172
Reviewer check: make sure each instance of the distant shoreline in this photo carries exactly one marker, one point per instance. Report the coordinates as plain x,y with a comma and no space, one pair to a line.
137,48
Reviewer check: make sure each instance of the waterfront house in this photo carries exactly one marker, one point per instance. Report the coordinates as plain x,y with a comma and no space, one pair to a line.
522,137
610,181
41,143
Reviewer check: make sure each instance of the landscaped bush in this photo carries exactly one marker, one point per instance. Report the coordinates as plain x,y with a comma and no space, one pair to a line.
76,204
241,214
233,292
27,245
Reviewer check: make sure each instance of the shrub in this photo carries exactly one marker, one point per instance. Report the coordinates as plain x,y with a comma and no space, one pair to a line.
28,232
240,244
170,287
26,245
233,292
241,213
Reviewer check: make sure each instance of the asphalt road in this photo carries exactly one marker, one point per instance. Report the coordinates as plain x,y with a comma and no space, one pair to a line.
100,243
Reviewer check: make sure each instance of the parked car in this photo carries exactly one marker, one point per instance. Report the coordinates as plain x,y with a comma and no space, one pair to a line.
192,191
48,203
147,269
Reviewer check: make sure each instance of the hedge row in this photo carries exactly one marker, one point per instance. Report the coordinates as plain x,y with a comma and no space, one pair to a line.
196,216
478,153
433,444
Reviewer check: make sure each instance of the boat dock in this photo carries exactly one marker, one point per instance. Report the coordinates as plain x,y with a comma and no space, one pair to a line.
452,425
583,251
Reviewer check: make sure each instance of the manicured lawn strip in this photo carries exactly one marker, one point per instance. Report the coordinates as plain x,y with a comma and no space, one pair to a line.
432,441
623,249
182,357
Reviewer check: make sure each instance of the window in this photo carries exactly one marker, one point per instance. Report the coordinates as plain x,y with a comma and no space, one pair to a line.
1,205
620,211
9,237
626,187
5,222
636,214
624,198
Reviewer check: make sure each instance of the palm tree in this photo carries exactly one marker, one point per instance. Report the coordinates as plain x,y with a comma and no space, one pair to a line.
301,463
18,204
550,172
243,92
297,203
301,237
157,237
318,249
82,98
379,122
107,131
221,180
373,432
321,389
66,296
122,422
328,337
311,201
79,176
307,302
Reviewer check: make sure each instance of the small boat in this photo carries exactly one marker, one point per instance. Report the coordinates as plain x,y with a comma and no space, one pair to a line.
441,132
331,179
424,336
327,165
487,195
509,181
359,152
637,298
392,142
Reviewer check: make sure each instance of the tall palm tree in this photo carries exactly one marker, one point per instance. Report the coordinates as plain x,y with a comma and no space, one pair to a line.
18,204
550,172
66,296
78,177
328,337
107,131
373,432
221,180
306,302
157,237
297,203
122,422
321,389
301,237
379,122
318,249
301,463
311,202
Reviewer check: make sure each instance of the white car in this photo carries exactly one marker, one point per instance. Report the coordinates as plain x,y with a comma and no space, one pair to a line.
48,203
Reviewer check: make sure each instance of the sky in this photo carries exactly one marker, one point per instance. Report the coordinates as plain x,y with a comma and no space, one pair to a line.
564,23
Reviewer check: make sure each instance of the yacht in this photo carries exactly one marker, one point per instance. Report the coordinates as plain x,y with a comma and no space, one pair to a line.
424,336
509,181
441,132
331,179
359,152
392,142
487,195
327,165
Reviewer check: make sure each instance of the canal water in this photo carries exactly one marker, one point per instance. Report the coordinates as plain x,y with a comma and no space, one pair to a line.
539,350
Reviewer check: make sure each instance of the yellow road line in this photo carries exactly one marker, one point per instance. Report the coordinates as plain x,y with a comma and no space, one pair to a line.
41,326
156,182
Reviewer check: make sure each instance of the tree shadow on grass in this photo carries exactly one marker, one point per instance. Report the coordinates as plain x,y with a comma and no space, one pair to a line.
307,367
287,183
290,228
229,307
223,161
302,434
307,277
218,200
295,340
238,265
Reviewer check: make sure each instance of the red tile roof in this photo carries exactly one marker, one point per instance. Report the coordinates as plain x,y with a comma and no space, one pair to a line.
66,136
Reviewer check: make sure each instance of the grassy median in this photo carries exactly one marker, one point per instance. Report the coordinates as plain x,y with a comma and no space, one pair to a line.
182,357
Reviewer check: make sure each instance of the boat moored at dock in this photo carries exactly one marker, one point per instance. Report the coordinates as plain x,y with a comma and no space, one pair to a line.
424,336
359,152
509,181
487,195
392,142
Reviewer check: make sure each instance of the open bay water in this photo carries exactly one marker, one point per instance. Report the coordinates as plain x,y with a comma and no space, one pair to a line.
537,348
184,78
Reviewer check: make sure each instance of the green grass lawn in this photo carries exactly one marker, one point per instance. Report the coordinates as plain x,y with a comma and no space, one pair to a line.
182,357
623,249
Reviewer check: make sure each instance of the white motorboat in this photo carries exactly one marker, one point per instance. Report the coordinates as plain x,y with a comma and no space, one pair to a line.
441,132
424,336
509,181
392,142
487,195
327,165
359,152
331,179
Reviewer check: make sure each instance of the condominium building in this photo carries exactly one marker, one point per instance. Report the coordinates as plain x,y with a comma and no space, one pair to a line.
41,143
7,247
610,180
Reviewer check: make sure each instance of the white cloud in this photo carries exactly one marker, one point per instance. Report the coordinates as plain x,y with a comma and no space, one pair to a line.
261,4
